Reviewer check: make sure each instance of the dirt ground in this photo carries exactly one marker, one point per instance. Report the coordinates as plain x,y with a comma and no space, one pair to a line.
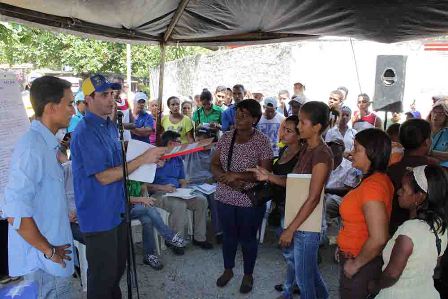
194,275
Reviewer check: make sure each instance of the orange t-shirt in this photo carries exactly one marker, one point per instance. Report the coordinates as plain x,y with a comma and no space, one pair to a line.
397,153
354,232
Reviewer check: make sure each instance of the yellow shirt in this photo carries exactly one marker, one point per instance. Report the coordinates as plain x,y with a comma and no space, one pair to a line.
182,127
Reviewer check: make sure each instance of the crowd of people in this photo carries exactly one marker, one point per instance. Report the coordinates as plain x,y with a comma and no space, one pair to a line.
385,191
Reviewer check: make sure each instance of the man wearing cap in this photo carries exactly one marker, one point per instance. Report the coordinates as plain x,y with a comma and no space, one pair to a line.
270,122
80,111
295,104
144,123
98,186
228,116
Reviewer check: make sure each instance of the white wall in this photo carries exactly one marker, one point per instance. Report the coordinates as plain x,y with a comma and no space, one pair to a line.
322,65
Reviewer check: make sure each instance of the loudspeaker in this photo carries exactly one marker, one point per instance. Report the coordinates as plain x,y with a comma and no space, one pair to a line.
389,83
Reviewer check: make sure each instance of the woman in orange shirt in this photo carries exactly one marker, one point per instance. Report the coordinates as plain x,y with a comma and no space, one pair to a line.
365,213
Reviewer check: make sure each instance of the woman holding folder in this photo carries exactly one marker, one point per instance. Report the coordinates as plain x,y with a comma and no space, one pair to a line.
301,247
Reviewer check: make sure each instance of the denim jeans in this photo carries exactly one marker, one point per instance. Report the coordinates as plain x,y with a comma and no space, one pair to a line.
150,218
301,262
50,286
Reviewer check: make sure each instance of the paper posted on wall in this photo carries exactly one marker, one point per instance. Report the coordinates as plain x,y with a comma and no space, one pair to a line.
14,123
297,190
146,172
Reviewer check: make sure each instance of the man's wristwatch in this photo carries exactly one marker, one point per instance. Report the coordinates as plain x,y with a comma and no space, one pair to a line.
53,252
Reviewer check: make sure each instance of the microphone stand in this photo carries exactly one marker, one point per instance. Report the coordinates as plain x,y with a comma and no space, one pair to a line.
131,269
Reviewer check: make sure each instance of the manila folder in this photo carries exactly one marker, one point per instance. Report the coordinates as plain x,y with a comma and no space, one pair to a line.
297,189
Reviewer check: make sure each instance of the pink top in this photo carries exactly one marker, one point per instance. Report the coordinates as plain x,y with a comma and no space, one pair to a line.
246,155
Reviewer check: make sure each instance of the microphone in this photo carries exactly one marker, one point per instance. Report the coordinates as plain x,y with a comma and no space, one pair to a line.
120,114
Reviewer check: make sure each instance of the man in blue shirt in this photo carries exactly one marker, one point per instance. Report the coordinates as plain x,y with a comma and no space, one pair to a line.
80,111
40,238
228,116
144,123
98,185
168,178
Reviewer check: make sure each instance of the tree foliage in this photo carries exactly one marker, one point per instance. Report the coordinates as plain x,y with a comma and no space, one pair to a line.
21,44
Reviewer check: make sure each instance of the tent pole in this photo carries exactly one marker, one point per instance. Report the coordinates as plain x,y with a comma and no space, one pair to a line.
128,73
160,93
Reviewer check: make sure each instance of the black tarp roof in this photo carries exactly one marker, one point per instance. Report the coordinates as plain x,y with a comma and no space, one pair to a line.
219,22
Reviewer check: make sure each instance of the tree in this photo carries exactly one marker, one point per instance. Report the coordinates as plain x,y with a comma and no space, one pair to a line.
21,44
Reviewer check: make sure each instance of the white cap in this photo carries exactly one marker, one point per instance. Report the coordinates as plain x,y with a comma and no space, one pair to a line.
140,96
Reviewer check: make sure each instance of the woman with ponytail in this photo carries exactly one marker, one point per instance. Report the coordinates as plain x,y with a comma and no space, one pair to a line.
365,213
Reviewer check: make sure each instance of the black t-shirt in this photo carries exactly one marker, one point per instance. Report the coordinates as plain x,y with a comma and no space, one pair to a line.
278,192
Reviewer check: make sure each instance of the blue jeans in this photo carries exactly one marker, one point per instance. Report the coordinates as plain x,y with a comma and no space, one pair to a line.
50,286
301,263
150,218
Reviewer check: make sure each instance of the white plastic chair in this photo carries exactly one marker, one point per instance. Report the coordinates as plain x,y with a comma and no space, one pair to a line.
262,230
82,263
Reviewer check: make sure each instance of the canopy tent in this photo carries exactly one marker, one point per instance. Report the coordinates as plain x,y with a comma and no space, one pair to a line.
223,22
212,22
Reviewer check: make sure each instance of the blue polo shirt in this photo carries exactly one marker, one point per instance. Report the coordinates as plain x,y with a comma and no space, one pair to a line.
170,173
228,118
95,147
143,120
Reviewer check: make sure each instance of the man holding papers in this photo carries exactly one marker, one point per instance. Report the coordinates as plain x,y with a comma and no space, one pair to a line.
99,193
170,176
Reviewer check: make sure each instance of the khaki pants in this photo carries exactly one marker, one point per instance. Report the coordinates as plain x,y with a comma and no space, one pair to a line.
177,208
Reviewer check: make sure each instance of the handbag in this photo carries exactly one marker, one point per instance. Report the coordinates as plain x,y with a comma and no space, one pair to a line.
258,195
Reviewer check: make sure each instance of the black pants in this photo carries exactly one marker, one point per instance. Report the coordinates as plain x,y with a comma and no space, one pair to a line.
240,225
106,255
3,248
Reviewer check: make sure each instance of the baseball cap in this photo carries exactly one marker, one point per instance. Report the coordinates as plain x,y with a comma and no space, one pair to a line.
301,99
140,96
270,102
98,83
335,139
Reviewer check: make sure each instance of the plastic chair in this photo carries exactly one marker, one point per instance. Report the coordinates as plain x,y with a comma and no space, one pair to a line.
82,263
262,230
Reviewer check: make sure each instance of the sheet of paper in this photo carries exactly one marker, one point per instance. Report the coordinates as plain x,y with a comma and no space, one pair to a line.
206,188
297,189
184,193
13,124
146,172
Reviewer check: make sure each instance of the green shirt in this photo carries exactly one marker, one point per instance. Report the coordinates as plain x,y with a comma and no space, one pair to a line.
213,116
134,188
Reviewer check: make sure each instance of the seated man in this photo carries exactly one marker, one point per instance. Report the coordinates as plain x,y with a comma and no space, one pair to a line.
342,179
171,175
143,209
197,171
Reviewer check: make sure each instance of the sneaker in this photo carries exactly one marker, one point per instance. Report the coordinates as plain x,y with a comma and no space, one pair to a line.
295,288
178,241
174,249
203,244
153,261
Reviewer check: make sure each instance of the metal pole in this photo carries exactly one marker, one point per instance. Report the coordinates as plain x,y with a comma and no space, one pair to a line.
160,93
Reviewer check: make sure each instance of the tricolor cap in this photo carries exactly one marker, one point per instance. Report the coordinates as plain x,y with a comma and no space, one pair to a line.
98,83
